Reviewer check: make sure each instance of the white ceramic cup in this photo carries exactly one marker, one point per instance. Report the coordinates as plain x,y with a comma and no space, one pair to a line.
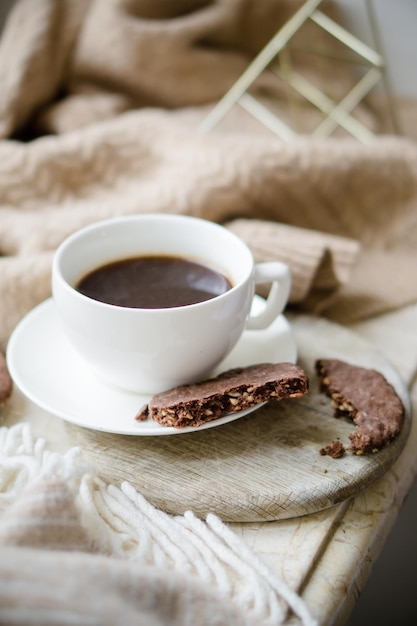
150,350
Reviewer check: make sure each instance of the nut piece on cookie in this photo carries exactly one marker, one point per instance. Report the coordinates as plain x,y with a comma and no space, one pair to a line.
235,390
367,398
6,384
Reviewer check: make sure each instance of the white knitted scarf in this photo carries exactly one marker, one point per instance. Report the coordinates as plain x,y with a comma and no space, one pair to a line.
40,490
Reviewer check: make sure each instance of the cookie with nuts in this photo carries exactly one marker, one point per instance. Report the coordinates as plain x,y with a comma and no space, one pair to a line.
365,396
6,384
232,391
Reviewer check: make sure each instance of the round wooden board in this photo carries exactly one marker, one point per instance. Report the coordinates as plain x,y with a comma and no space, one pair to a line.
265,466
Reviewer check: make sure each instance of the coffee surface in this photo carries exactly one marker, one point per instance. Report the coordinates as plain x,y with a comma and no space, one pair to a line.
153,282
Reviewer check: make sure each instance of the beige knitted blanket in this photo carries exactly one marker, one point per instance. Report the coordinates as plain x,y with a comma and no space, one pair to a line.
100,105
115,90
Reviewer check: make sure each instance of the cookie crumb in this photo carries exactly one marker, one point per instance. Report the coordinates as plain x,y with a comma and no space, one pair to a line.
335,449
143,414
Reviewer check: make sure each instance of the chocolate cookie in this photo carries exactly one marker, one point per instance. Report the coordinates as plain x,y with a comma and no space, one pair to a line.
6,384
367,398
232,391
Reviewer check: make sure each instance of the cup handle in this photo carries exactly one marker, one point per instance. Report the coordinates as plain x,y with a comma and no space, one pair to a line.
279,275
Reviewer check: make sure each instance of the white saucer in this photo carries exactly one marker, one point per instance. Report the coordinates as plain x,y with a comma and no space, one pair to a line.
49,372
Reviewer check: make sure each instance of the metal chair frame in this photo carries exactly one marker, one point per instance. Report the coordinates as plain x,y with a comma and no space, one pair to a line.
335,113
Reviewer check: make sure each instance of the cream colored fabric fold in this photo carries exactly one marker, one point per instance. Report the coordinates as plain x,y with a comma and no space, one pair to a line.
59,58
98,74
101,591
34,56
148,160
318,261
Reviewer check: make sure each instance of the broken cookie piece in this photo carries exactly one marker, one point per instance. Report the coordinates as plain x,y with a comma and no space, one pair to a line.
6,384
232,391
365,396
335,449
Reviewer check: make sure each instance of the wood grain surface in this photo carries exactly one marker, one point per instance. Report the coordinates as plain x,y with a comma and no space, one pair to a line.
265,466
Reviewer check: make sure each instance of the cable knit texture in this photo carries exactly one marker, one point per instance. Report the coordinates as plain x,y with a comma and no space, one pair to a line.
113,93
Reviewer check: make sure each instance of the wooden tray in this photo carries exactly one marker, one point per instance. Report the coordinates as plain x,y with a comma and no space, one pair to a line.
265,466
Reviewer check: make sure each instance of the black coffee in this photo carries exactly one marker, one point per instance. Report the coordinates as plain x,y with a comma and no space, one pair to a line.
153,282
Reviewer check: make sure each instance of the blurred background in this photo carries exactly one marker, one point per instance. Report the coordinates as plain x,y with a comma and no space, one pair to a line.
397,20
